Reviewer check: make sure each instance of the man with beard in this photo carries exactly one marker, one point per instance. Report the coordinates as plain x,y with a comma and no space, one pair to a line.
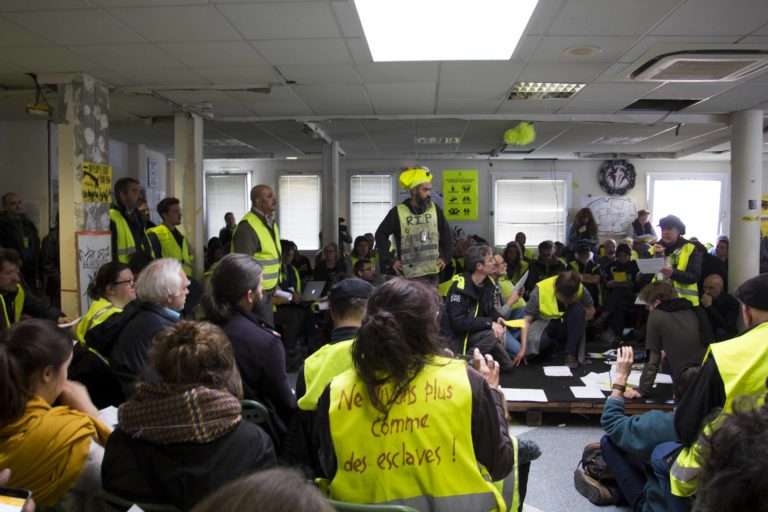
422,235
683,261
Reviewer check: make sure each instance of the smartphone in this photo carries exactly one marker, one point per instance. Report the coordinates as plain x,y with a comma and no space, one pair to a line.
13,500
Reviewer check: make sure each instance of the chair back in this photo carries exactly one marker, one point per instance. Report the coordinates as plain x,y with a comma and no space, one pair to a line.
255,412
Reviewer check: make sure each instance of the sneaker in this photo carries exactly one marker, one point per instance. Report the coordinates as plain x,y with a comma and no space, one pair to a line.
571,362
597,493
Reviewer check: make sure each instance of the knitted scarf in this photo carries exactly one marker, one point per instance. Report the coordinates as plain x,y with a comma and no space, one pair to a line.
168,414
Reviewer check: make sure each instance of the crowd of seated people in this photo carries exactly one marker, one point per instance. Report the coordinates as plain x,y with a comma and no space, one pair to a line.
179,377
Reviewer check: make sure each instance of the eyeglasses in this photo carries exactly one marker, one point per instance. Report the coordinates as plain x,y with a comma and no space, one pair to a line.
127,281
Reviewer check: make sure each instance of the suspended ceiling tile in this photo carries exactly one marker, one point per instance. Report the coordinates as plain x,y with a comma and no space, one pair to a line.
181,77
742,97
280,101
683,91
210,54
610,17
42,5
545,13
715,18
14,35
308,74
139,105
358,47
146,3
610,49
473,91
349,21
170,24
336,99
531,106
392,72
626,92
52,59
592,107
129,57
404,98
304,51
286,20
551,72
254,75
653,46
466,106
72,27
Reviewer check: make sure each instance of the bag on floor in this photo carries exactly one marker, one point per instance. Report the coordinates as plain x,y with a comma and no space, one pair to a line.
594,465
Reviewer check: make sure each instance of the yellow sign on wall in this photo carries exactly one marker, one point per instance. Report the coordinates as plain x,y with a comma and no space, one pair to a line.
460,194
97,183
764,217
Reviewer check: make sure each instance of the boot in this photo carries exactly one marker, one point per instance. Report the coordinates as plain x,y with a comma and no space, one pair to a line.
571,361
593,490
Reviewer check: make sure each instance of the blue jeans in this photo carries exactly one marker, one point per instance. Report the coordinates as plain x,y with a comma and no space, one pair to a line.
512,339
629,472
662,458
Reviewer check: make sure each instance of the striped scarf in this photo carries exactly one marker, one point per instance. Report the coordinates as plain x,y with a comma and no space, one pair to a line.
168,414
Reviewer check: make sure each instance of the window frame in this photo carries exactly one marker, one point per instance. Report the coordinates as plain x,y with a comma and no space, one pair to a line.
565,176
392,188
288,174
723,177
246,194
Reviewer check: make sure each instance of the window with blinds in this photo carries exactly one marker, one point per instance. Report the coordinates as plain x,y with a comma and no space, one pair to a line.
299,200
535,207
224,193
371,199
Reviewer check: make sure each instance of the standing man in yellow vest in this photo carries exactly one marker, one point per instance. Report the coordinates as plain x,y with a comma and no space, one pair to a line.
258,236
15,299
557,311
422,235
129,240
732,369
166,240
683,266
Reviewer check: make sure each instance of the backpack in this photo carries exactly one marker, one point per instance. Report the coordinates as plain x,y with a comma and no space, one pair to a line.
594,465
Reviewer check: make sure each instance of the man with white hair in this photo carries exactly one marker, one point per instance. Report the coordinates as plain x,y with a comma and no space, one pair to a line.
161,291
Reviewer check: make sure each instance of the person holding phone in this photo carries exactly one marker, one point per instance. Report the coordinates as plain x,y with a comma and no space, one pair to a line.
55,452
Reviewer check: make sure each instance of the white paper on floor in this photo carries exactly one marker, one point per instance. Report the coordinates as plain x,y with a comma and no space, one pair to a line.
634,377
524,395
587,392
597,380
557,371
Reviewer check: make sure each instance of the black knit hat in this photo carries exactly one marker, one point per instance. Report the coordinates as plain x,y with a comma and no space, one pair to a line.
672,221
754,292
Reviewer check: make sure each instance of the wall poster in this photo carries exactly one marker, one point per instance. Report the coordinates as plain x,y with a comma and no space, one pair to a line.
460,194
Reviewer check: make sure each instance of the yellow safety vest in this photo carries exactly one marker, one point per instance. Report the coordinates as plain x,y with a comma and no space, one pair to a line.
459,280
529,253
18,307
743,366
321,367
373,258
419,241
679,261
169,247
548,307
421,454
506,286
98,313
126,245
269,255
524,266
296,276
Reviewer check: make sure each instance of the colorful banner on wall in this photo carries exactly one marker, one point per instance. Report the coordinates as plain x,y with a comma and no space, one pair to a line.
460,194
97,183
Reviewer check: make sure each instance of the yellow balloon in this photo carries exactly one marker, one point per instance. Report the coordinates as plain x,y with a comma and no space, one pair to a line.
521,135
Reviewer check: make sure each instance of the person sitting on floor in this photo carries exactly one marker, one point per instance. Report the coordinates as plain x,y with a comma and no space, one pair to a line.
620,276
509,305
545,266
607,253
589,270
51,450
470,315
562,306
721,307
182,436
399,371
517,265
231,302
675,327
521,239
162,291
627,445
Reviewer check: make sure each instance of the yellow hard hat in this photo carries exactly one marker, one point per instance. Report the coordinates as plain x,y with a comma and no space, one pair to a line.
415,176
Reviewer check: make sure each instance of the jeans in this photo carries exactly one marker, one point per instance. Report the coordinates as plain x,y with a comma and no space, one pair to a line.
570,330
629,473
662,458
512,339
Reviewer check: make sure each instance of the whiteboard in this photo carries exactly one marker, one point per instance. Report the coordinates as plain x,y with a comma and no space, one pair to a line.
94,249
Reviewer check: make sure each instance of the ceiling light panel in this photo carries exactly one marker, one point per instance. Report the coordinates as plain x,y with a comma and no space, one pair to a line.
436,30
543,90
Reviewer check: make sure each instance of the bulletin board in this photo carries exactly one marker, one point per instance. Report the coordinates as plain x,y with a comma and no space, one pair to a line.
94,249
460,194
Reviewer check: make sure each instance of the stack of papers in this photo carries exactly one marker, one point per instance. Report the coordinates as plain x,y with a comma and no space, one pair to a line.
634,377
524,395
557,371
600,381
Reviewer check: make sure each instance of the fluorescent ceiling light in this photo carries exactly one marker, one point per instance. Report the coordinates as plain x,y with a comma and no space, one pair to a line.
291,158
432,30
543,90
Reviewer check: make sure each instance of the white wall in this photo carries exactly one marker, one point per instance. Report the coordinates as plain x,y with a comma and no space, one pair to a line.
583,173
24,167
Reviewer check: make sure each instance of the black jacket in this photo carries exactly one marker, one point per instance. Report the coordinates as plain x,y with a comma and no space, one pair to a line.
143,254
182,474
19,233
34,307
391,226
260,357
460,306
129,356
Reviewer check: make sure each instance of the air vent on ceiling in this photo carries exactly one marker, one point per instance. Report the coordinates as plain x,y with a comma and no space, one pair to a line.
660,105
703,66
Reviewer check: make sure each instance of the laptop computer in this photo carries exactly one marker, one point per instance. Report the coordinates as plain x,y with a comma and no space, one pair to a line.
312,291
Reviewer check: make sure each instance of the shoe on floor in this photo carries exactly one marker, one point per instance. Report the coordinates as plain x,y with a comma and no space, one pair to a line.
571,362
593,490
